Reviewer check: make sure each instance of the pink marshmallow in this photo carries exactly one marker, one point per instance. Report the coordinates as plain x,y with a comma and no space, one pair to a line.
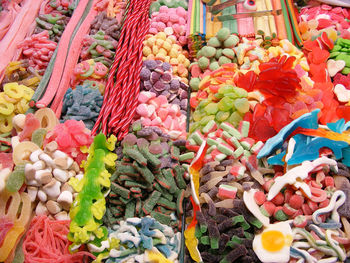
168,122
144,96
182,21
163,101
163,17
178,29
174,134
154,24
155,14
150,110
181,12
160,26
163,9
153,31
142,110
182,40
163,113
173,18
155,102
146,121
156,121
169,24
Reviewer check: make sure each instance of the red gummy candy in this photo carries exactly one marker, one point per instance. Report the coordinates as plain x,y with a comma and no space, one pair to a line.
247,81
343,112
30,125
262,130
6,160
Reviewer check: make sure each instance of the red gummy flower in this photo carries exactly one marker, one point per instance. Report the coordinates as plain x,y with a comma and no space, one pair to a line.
277,78
341,79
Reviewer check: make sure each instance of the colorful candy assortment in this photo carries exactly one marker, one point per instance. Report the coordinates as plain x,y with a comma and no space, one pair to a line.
174,131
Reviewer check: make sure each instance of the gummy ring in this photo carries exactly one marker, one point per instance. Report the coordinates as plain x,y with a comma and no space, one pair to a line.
47,118
12,89
6,123
88,73
100,69
27,92
82,68
6,98
6,108
22,152
22,105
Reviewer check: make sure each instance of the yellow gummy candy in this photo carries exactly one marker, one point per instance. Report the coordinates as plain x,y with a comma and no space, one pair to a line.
27,92
13,90
6,123
192,244
6,108
98,208
156,257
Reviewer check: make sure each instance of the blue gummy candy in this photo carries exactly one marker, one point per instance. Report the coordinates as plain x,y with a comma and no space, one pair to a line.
308,150
308,121
276,159
164,249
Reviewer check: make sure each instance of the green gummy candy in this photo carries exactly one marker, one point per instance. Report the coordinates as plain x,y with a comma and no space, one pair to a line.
226,89
334,54
199,54
214,66
242,105
336,48
197,115
225,104
206,119
203,63
194,83
209,51
218,53
223,34
211,108
241,93
346,70
344,57
235,118
228,52
15,180
232,41
222,116
224,60
38,136
214,42
203,103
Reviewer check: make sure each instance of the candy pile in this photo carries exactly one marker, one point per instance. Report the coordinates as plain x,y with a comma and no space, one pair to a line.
144,239
149,180
171,21
156,77
163,47
103,160
82,103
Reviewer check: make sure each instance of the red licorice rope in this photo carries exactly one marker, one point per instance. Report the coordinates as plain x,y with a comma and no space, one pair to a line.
46,242
122,94
135,89
133,76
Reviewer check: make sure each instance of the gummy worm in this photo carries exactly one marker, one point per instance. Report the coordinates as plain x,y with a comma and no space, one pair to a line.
333,206
335,245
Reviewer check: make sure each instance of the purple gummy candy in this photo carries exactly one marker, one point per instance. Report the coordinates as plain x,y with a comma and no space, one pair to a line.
183,112
166,66
155,76
172,97
159,86
166,93
145,74
147,85
159,62
142,143
176,101
153,136
150,64
144,132
183,104
183,94
155,148
166,77
165,162
129,140
175,84
183,85
156,130
165,147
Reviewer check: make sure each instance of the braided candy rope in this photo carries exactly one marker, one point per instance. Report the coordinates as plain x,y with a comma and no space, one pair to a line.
120,99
